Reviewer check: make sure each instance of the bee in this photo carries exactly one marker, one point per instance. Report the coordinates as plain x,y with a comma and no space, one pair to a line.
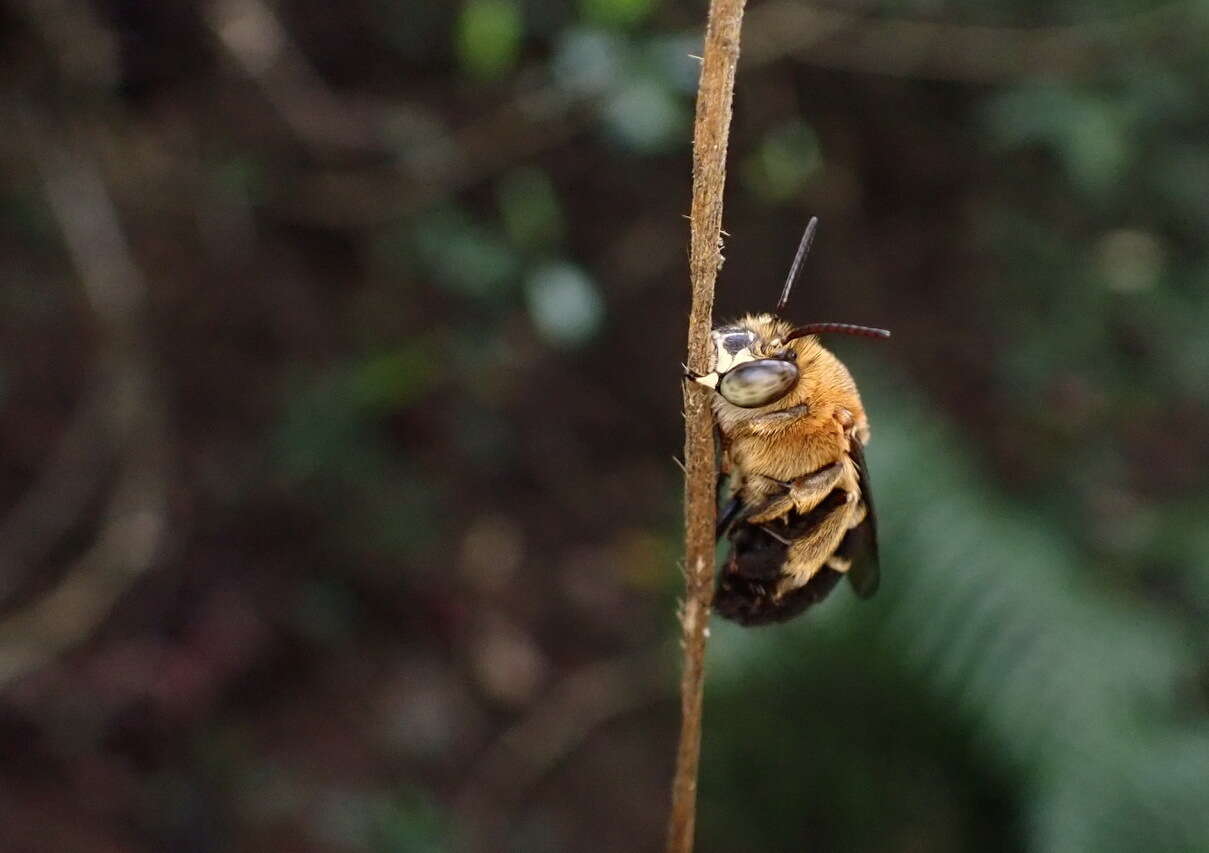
792,432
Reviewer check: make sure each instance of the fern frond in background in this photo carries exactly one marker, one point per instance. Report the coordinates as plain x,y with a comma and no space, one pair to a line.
1069,704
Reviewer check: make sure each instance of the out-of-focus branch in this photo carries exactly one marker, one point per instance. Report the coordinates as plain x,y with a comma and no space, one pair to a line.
559,723
69,479
429,170
711,132
131,421
408,176
818,35
253,35
85,50
536,119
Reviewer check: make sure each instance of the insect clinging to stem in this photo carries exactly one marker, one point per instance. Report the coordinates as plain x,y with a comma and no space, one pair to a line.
792,431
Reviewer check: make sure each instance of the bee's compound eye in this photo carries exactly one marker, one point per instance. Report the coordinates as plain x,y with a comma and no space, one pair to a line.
758,383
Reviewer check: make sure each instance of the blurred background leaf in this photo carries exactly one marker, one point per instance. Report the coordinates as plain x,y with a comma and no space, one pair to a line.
489,37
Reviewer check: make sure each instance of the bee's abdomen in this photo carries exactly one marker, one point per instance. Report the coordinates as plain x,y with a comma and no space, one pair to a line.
752,602
759,558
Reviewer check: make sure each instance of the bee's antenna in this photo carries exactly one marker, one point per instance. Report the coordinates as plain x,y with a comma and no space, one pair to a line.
803,251
836,328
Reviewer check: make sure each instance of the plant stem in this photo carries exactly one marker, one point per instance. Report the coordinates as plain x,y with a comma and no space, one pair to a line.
710,133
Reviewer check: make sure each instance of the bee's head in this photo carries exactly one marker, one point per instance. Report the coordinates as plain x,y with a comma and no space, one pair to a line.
750,368
755,360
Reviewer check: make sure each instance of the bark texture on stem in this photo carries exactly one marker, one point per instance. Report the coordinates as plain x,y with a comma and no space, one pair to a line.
710,133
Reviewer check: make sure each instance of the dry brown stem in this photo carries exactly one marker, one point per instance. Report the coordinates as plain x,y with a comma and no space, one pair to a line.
710,133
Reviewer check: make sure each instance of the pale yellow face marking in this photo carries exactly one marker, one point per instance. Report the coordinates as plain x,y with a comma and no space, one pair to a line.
725,362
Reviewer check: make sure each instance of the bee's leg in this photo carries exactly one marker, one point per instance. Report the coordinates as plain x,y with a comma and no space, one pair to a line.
766,580
808,491
772,508
816,545
804,493
760,549
775,535
728,516
736,511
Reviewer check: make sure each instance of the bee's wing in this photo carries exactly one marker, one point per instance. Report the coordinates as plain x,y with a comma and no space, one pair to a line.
860,543
730,510
730,514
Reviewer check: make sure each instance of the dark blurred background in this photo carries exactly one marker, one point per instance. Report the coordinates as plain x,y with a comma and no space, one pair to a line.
340,399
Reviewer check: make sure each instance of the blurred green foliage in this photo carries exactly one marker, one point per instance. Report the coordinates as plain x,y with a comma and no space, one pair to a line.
785,161
564,304
489,37
616,12
530,209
